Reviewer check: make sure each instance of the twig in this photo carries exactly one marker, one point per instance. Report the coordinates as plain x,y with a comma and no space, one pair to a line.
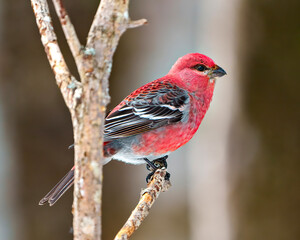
87,99
88,125
110,22
70,34
157,185
69,86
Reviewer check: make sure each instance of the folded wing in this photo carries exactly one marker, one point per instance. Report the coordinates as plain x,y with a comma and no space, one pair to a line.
153,106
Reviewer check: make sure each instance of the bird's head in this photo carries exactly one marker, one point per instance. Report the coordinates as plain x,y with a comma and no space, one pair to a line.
195,65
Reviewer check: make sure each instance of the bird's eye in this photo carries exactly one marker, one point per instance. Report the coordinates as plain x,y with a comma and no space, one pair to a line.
200,68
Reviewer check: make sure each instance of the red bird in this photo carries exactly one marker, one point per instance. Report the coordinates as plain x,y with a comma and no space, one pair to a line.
157,118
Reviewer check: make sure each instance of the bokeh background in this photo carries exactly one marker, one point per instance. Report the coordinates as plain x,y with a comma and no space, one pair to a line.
239,176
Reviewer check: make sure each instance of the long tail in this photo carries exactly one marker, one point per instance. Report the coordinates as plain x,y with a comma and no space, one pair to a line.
59,189
67,181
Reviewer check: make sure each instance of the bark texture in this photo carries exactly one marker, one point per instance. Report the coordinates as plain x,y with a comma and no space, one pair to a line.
157,185
86,99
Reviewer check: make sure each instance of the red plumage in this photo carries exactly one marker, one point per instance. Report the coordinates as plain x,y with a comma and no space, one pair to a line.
157,118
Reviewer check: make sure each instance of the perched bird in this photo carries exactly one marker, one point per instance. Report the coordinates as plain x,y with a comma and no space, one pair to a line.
157,118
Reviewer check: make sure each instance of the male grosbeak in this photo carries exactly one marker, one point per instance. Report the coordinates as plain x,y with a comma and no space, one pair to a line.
157,118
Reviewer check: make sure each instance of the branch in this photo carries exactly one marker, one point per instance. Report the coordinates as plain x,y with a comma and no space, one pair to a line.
157,185
70,34
137,23
109,23
87,99
69,86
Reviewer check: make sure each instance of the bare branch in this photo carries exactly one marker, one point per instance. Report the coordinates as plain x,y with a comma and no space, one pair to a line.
110,22
137,23
70,33
87,99
157,185
68,85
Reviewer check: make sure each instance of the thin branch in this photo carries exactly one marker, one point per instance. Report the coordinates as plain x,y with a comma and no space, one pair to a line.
109,23
157,185
87,99
137,23
70,33
69,86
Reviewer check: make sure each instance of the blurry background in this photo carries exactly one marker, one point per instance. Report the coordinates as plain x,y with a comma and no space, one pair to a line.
239,176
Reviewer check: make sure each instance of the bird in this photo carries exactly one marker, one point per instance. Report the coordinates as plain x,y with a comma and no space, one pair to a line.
156,119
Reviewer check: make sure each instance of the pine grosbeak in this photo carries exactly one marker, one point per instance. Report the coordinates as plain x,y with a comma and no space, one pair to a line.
157,118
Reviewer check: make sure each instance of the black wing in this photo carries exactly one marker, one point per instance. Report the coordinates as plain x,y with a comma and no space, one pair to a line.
154,106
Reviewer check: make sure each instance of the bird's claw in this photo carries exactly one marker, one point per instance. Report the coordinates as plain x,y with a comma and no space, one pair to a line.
156,164
150,175
161,162
167,177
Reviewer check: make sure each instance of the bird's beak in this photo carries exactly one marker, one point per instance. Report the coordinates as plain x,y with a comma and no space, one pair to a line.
216,71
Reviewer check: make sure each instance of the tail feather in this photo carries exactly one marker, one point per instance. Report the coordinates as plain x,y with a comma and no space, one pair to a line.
59,189
67,181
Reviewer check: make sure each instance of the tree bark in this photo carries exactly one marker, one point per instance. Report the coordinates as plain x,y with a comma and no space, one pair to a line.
157,185
86,99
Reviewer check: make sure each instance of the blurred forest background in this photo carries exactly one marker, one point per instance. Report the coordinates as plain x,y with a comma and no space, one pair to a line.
239,176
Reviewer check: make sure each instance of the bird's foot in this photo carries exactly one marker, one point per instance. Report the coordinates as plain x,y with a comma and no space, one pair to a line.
149,176
156,164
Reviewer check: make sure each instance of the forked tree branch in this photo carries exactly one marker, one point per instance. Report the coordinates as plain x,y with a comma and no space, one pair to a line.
157,185
109,23
87,102
69,86
70,34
